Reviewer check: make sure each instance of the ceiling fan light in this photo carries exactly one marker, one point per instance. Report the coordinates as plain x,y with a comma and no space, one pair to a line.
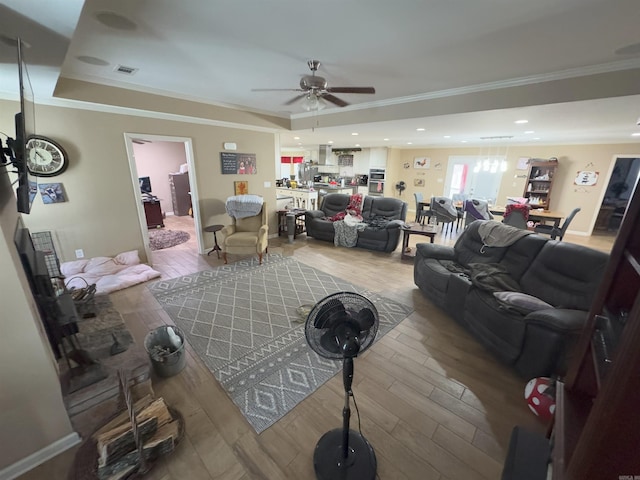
312,103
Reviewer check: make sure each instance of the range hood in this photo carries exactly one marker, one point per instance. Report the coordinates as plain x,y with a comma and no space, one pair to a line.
324,155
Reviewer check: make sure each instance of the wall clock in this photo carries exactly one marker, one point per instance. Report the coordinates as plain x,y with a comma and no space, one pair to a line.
45,158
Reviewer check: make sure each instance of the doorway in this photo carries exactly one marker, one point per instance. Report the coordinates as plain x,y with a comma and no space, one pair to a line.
624,177
165,163
473,176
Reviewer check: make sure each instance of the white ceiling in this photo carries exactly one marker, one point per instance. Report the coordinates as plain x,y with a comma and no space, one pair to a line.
411,51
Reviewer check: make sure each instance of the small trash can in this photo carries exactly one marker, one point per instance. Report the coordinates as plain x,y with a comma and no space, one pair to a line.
165,346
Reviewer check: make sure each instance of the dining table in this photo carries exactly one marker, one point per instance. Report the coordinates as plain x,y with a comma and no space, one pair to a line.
536,215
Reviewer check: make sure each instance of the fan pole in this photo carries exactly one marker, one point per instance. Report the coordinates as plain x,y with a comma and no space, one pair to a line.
347,380
343,453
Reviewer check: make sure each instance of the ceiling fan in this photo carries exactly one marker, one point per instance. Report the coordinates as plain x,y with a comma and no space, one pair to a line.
314,87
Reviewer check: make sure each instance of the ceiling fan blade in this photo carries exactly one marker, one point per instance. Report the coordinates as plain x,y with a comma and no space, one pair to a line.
295,99
351,90
277,90
333,99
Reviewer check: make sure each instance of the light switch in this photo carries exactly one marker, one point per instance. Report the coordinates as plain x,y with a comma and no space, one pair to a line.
267,184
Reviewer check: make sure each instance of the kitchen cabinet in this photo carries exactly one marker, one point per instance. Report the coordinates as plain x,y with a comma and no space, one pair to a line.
377,158
302,197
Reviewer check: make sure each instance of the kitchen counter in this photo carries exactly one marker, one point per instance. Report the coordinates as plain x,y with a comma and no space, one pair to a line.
302,197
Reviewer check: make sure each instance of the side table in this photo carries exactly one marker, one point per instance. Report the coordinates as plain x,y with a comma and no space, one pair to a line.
299,222
416,229
213,229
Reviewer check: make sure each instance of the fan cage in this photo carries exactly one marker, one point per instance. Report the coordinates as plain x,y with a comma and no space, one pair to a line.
329,307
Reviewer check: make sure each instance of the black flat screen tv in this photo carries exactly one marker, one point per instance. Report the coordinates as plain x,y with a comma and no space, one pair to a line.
145,184
25,128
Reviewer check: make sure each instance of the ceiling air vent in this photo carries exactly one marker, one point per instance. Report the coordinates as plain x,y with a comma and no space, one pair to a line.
126,70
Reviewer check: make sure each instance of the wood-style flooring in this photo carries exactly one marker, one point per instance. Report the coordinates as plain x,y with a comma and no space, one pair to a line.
433,402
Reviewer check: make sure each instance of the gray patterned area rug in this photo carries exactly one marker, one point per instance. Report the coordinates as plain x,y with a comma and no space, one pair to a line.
243,321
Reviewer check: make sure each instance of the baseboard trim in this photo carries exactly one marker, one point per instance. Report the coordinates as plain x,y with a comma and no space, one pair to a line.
28,463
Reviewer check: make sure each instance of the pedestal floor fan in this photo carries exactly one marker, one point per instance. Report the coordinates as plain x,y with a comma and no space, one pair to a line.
340,326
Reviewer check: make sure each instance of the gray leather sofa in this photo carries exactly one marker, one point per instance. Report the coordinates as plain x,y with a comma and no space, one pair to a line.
387,214
535,342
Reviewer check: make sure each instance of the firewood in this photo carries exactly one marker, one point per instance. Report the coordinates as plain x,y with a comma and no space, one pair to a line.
115,448
162,442
115,443
140,405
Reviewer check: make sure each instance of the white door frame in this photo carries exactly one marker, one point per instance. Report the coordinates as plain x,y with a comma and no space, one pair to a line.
188,149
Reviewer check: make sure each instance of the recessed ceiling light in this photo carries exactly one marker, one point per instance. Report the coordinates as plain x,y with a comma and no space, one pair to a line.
419,129
354,134
357,144
115,20
385,139
409,143
463,141
536,138
330,142
447,136
528,132
521,121
637,134
296,138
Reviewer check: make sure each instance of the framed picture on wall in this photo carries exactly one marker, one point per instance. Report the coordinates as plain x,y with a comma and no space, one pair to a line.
241,187
418,182
421,162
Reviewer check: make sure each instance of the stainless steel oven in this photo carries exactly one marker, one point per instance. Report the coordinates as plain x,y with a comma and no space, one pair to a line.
376,181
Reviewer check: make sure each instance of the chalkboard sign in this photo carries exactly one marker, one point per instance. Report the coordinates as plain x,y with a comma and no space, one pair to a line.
238,163
229,163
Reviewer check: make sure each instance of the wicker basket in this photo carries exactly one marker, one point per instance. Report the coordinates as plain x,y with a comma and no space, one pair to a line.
85,465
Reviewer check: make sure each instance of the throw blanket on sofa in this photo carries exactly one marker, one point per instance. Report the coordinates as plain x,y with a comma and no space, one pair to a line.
354,208
496,234
347,231
243,206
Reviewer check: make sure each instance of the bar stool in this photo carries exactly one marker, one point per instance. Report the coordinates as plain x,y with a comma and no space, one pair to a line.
213,229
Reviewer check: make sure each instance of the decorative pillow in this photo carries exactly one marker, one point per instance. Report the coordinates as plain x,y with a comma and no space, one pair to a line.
521,302
127,258
74,267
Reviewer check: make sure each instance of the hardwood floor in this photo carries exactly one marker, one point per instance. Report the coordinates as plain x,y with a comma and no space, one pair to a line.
433,402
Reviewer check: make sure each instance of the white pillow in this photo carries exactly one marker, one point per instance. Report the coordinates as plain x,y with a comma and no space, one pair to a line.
102,266
127,258
73,268
521,301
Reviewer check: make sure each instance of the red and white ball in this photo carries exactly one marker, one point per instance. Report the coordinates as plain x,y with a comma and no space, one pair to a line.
540,397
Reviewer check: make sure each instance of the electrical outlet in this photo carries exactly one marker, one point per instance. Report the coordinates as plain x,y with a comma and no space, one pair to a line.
79,253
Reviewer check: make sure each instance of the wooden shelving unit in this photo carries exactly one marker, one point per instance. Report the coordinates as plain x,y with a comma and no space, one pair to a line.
596,432
540,182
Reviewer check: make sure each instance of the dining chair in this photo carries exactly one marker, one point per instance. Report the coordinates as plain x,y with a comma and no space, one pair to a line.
554,231
476,209
516,215
444,211
422,211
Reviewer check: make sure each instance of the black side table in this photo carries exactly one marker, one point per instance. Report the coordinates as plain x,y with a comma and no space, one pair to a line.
213,229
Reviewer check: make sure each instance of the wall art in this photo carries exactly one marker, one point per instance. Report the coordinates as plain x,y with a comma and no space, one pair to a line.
238,163
586,178
421,162
241,187
52,193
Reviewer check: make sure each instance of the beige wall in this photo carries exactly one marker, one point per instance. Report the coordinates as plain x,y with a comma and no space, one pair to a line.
565,195
101,215
32,414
